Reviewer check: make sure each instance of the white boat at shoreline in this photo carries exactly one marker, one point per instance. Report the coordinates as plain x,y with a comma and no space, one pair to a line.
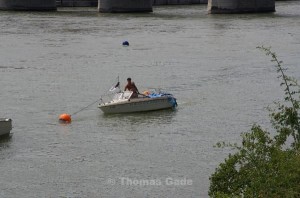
5,126
123,102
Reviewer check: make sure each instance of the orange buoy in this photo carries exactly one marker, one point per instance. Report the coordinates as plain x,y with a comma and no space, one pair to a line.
65,118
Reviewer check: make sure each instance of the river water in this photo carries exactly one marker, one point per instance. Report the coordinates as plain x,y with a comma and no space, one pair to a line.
59,62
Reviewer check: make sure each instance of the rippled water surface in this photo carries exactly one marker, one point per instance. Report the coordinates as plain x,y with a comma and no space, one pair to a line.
59,62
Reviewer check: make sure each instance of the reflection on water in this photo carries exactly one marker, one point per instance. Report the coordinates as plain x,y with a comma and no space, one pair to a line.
5,144
5,140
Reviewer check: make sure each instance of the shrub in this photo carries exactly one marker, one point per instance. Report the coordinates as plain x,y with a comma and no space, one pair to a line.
265,165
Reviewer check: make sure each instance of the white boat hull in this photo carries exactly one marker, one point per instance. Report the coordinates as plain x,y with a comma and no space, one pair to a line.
137,105
5,126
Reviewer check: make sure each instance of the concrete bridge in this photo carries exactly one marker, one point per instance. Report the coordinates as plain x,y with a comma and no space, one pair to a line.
25,5
77,3
94,3
214,6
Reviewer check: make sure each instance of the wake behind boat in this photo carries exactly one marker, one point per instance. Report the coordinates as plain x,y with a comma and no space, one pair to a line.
132,101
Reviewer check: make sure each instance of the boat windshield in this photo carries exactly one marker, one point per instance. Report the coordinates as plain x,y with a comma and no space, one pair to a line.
123,95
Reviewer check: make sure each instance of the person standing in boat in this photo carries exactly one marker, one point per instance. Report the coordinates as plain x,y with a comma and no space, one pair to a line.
131,87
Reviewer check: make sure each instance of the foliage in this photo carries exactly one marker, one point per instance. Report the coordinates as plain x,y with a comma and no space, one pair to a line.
265,165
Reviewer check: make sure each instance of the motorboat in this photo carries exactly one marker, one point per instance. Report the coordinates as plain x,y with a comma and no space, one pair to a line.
5,126
124,102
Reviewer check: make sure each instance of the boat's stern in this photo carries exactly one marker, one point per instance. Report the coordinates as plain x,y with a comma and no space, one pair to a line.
172,101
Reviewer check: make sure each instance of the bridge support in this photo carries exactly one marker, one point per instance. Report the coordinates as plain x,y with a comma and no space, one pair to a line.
125,5
240,6
28,5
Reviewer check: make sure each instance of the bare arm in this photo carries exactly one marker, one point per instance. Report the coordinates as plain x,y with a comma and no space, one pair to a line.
135,87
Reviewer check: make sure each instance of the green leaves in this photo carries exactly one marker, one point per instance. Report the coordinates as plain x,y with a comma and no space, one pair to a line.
265,165
285,118
259,168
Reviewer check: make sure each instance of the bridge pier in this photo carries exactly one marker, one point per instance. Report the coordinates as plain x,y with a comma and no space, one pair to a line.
28,5
240,6
125,5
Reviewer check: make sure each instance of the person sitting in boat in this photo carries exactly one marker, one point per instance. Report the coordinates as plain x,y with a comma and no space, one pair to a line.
131,87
